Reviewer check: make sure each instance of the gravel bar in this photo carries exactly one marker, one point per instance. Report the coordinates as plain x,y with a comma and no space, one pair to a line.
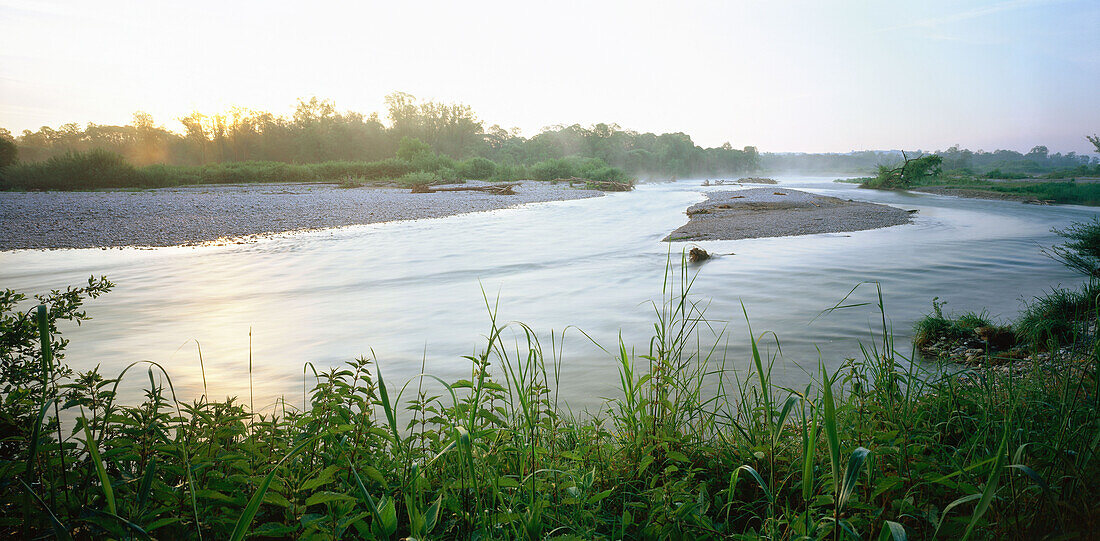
771,212
198,214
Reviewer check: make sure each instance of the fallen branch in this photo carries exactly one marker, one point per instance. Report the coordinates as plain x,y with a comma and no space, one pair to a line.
495,189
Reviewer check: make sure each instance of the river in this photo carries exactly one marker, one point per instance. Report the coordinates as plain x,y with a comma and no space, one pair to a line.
414,291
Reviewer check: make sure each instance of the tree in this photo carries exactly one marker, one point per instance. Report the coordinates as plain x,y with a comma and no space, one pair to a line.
912,171
411,149
1095,140
9,153
1039,152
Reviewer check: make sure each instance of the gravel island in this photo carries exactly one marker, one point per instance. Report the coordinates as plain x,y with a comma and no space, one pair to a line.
771,212
198,214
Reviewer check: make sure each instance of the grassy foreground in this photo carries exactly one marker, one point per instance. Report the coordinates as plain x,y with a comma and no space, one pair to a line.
685,450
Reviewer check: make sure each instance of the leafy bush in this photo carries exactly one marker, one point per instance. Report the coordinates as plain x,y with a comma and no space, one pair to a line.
574,166
553,169
477,169
411,148
1002,175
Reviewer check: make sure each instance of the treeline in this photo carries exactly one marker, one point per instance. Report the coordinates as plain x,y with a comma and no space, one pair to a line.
317,133
957,161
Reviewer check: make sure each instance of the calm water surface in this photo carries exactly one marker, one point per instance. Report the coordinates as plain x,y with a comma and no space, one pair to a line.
413,291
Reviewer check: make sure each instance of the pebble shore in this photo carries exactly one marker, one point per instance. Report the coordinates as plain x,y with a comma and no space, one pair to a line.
198,214
779,212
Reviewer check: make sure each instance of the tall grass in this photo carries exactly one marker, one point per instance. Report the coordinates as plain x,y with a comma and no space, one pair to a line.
693,445
101,169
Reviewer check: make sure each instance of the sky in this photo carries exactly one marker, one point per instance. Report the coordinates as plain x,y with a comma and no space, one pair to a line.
800,76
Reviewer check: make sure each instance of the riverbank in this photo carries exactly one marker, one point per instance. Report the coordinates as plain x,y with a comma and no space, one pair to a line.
1084,191
198,214
771,212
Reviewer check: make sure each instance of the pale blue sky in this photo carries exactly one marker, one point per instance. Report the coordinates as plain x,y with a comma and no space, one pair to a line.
785,76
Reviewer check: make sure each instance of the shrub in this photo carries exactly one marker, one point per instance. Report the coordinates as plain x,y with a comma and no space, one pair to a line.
9,153
938,325
1081,251
382,169
477,168
1052,320
418,178
574,166
1003,175
411,148
552,169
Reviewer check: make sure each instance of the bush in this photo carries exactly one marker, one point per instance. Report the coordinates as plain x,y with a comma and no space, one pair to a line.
382,169
9,153
574,166
552,169
477,169
937,325
1081,252
1052,319
1002,175
511,171
418,178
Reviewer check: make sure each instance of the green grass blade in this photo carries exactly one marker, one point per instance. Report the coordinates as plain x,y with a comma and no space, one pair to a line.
391,416
950,506
36,435
831,435
851,474
245,520
100,470
808,452
59,529
147,482
893,531
991,483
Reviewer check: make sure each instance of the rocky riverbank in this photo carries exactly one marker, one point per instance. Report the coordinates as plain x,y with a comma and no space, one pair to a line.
771,212
198,214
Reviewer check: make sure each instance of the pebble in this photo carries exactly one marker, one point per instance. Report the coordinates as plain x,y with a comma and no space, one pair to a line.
197,214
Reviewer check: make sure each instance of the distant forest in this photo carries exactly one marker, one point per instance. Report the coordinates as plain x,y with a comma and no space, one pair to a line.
958,161
318,133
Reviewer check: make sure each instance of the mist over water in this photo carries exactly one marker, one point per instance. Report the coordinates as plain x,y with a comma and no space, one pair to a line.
415,291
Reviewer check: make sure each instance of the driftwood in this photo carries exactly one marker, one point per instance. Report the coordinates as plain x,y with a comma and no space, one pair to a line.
495,189
603,185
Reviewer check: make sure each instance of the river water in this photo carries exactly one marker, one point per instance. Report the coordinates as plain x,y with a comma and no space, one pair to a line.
412,292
